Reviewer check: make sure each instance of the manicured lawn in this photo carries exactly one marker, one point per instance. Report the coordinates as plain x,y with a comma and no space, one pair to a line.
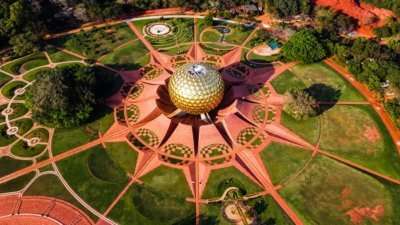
4,78
182,32
60,56
308,129
24,125
160,200
51,186
356,133
238,34
9,165
320,73
222,179
263,59
9,89
284,161
97,187
65,139
4,138
124,155
179,50
286,81
269,212
132,56
26,63
96,42
17,184
216,49
34,63
22,149
19,109
210,35
212,214
327,191
32,75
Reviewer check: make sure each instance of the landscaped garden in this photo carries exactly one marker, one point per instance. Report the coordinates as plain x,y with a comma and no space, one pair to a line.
89,116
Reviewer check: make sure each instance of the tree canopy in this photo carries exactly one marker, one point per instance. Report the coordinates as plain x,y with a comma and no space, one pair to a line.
301,104
63,97
305,47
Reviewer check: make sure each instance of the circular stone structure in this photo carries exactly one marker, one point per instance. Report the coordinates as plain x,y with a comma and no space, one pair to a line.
196,88
158,29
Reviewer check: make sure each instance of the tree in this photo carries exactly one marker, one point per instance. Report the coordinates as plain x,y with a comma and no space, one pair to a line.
301,105
209,20
305,47
24,43
63,97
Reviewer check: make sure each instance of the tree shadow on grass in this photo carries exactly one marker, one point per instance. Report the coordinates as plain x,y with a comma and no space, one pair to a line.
206,220
326,96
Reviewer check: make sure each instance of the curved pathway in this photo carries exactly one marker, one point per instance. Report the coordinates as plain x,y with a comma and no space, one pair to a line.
38,210
378,107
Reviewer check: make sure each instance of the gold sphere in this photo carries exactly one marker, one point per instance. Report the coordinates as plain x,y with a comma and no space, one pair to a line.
196,88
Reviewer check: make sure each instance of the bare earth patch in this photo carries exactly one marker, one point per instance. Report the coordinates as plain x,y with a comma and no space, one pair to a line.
371,133
358,215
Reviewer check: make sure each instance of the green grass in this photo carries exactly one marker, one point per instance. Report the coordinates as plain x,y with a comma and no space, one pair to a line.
322,73
284,161
96,42
269,212
222,179
212,214
22,149
65,139
97,192
211,36
9,165
32,75
19,110
34,63
216,49
124,155
308,129
130,57
16,184
4,78
265,209
263,59
57,56
179,50
41,133
182,32
24,125
327,190
286,81
344,133
8,89
4,138
51,186
29,62
103,167
160,200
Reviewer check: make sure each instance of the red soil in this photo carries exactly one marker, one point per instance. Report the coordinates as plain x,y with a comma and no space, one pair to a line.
39,210
372,134
26,220
369,16
358,215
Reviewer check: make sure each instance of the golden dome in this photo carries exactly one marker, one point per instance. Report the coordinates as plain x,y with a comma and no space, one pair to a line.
196,88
